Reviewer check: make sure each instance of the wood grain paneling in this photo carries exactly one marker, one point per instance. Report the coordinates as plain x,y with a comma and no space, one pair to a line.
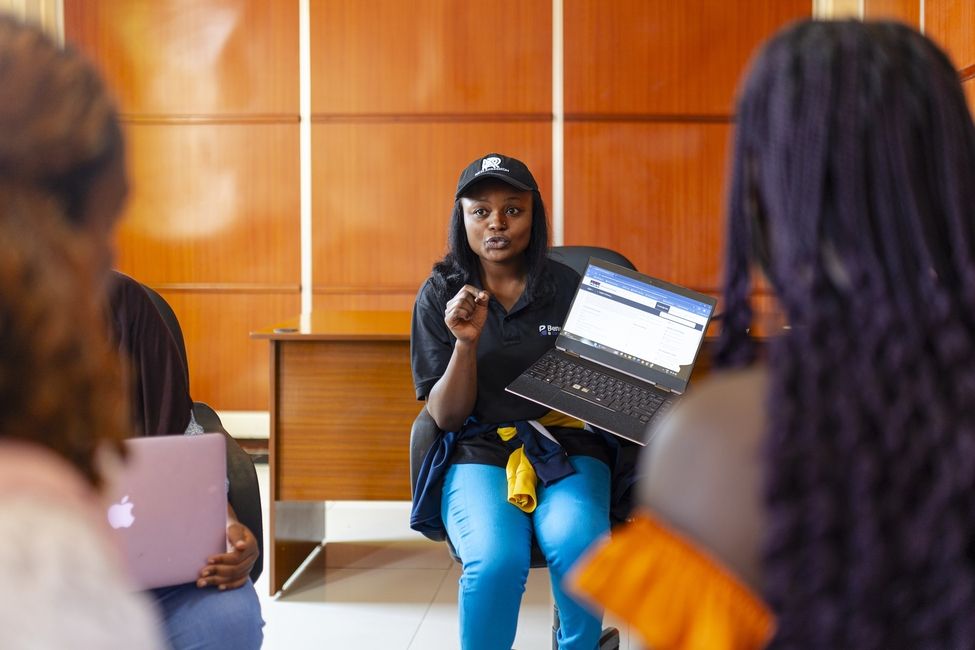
331,451
654,192
664,57
228,370
383,194
212,204
388,300
192,56
431,56
906,11
952,24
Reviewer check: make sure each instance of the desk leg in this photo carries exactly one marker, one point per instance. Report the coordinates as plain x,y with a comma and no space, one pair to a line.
295,528
299,529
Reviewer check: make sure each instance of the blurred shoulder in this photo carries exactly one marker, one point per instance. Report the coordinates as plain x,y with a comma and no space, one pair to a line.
64,568
702,472
722,411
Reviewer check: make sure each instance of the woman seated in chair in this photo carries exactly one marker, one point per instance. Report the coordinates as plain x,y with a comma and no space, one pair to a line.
482,318
221,609
824,498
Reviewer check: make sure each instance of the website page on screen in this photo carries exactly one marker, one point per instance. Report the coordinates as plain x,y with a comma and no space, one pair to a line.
649,325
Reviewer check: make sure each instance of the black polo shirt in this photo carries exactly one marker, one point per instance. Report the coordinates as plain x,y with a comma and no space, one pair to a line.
510,342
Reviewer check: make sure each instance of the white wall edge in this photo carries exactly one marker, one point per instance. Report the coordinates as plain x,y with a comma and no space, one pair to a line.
304,149
254,425
558,123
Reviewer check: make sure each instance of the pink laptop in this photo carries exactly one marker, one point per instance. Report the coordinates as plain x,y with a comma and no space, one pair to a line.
168,507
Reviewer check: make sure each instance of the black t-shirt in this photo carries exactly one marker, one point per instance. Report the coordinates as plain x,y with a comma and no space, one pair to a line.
510,342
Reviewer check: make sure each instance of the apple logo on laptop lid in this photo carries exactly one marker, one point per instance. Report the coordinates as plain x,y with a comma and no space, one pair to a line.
120,514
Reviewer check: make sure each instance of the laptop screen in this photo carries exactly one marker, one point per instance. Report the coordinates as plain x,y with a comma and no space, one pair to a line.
639,325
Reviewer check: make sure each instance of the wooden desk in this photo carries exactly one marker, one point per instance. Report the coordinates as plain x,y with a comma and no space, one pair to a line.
342,404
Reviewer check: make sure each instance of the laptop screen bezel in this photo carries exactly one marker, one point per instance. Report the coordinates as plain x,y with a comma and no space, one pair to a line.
674,383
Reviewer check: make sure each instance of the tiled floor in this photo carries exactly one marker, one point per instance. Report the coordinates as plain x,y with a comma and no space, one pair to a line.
380,585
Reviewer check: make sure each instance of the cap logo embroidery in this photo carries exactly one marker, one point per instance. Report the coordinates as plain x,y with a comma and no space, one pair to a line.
490,163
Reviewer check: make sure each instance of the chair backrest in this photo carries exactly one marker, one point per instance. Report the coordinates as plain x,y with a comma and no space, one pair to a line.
576,257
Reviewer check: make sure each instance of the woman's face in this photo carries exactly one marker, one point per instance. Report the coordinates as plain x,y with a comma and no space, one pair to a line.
498,219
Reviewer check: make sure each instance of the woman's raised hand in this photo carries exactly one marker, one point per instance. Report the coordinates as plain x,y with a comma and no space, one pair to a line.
466,313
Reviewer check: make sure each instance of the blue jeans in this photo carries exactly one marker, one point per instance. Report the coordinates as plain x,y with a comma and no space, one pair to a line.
198,619
493,540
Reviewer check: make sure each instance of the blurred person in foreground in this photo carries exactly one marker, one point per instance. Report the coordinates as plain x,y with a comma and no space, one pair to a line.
62,407
62,159
824,497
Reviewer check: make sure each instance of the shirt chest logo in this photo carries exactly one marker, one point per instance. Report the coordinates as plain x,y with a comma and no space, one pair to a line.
549,330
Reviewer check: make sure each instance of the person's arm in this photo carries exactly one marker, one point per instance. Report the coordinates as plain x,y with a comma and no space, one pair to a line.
230,570
452,398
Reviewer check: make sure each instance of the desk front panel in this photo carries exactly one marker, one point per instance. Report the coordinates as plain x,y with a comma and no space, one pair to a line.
343,418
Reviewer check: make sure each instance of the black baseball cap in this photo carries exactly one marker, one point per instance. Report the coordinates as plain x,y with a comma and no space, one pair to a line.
494,165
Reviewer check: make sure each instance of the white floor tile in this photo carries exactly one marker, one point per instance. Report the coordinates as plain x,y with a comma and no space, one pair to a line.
396,554
380,585
352,609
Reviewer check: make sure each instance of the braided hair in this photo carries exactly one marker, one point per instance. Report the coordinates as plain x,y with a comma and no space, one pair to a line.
854,189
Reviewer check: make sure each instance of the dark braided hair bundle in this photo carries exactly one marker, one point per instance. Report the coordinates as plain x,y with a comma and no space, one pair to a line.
854,189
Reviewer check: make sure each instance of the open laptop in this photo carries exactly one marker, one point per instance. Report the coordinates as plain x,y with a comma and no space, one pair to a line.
625,352
169,507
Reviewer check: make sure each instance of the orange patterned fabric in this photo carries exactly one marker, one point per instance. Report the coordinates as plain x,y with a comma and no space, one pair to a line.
670,592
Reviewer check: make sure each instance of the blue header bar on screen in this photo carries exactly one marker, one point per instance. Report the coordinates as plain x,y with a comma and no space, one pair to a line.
646,291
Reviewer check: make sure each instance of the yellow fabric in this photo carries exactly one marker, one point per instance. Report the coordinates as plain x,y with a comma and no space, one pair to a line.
507,433
521,475
521,481
556,419
671,592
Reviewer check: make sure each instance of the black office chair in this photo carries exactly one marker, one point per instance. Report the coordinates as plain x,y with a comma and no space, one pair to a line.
576,257
245,493
424,432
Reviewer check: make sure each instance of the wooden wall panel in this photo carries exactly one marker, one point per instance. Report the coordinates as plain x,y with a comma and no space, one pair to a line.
431,56
652,191
192,56
389,300
664,57
383,194
649,121
208,91
212,204
906,11
952,24
228,370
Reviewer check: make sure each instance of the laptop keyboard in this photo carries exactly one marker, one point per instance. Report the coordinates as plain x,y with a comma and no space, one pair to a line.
623,397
